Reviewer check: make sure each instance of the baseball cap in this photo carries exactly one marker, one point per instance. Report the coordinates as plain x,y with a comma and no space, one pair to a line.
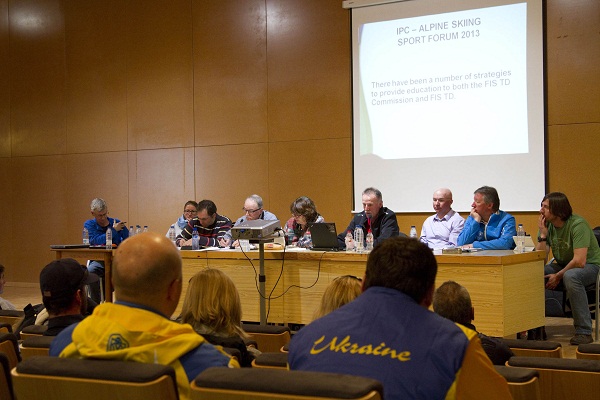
62,278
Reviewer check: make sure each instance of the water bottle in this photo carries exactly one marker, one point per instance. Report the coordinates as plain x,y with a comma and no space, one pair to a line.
195,239
138,229
131,231
349,241
359,238
109,238
290,236
172,236
413,232
520,239
86,236
145,228
370,240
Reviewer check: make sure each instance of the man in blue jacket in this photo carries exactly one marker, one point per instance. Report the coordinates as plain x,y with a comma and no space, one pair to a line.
488,227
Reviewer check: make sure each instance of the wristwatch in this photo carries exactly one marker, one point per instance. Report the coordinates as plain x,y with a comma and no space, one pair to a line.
541,239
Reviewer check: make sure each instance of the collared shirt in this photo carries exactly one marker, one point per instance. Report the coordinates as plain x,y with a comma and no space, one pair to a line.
439,233
496,234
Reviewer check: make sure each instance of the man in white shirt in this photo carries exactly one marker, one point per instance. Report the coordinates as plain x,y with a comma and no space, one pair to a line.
442,229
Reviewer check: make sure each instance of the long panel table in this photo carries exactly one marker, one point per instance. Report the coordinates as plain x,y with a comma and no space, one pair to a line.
506,289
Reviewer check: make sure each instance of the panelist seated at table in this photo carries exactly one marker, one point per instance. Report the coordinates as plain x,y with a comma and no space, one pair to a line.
442,228
304,213
101,223
190,210
380,220
488,227
253,210
210,225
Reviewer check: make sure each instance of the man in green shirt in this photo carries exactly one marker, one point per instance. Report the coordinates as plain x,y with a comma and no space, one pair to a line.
576,258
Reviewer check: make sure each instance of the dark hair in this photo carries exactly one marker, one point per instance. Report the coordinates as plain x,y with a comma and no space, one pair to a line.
1,269
371,191
191,203
490,195
305,207
559,205
60,304
452,301
404,264
208,205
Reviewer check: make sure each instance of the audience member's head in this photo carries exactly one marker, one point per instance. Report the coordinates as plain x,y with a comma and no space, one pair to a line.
340,291
147,271
403,264
304,211
62,283
372,202
207,212
558,205
253,207
452,301
212,304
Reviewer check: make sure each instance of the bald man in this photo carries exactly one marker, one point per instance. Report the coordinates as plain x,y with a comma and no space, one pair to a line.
136,327
441,230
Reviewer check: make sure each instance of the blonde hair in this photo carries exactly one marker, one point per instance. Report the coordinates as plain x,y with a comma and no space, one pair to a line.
212,302
340,291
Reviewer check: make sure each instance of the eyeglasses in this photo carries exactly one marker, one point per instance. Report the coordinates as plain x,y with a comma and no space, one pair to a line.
190,212
251,211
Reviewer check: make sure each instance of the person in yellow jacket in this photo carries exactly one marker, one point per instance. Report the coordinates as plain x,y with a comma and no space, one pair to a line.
147,277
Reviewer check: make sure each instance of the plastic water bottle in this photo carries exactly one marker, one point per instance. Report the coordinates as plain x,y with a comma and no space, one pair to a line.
370,240
413,232
138,229
359,237
520,239
131,231
172,236
109,238
195,239
349,241
86,236
290,236
145,228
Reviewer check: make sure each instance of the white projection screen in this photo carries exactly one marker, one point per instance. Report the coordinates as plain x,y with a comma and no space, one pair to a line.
448,94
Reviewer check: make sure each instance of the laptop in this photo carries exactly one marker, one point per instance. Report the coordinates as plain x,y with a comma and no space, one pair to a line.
324,236
70,246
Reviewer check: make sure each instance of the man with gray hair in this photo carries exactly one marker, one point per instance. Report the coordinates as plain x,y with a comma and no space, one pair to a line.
253,210
97,228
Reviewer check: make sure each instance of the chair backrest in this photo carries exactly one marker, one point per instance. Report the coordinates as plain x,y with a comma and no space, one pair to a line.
269,338
6,387
12,317
33,330
534,348
562,378
523,383
5,328
54,378
589,351
271,360
255,384
36,345
9,345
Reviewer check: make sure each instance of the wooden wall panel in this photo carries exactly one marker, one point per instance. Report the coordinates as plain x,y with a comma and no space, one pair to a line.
229,174
97,71
573,61
309,70
37,74
4,82
573,151
159,74
94,175
40,206
160,184
230,72
7,213
320,171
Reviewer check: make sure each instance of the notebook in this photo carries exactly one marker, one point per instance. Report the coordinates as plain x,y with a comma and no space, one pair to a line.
529,245
324,236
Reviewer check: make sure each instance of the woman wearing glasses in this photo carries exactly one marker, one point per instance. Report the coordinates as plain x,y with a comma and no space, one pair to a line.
304,213
190,211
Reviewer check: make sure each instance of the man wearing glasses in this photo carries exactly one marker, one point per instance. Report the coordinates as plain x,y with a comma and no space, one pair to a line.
253,210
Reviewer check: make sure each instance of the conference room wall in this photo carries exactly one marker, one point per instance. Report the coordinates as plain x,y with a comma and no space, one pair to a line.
142,103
